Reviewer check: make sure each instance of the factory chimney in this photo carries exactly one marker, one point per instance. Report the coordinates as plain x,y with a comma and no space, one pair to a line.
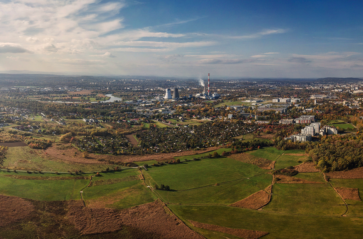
208,85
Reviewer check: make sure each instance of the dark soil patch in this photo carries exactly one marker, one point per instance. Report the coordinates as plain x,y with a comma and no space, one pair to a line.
349,193
44,178
243,233
288,179
14,209
308,167
132,140
149,218
256,200
14,144
354,173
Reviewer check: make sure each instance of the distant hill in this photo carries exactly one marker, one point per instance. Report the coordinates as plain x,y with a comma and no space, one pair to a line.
339,79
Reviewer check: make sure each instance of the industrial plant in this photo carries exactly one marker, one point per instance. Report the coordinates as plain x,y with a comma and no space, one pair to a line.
204,95
207,94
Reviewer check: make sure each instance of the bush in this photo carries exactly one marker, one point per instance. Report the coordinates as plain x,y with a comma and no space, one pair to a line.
286,171
215,155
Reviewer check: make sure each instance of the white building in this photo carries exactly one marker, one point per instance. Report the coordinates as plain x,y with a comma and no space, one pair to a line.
328,130
167,94
308,130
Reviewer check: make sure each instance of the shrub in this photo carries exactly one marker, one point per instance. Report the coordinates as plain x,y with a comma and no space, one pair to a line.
215,155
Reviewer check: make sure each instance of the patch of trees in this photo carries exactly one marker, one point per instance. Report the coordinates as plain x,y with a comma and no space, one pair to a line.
241,146
337,153
38,144
162,187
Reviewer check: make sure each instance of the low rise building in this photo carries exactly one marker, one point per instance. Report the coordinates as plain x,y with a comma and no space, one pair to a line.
286,121
328,130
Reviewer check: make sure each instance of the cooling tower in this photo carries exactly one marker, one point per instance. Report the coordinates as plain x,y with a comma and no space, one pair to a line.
167,94
176,93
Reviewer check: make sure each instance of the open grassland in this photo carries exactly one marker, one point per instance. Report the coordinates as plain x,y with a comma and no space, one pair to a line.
355,208
283,158
287,160
201,191
278,226
191,157
31,159
311,199
44,190
223,193
195,174
313,177
269,153
341,124
159,124
191,122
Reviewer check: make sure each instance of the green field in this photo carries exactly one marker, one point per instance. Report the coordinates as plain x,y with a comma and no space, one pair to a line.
355,208
278,225
314,177
190,122
201,190
308,199
223,193
44,190
341,124
159,124
195,174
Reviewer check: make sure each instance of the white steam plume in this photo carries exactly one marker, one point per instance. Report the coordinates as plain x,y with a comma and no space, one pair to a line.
201,82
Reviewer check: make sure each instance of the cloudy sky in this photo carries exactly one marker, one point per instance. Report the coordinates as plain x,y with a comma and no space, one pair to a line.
184,38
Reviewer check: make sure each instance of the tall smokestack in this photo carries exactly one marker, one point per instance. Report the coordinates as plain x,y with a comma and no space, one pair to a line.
208,85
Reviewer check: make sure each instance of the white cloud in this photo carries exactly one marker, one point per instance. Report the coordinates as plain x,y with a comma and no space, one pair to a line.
258,56
271,53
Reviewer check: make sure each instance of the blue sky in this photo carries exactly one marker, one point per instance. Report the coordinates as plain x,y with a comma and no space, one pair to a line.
297,39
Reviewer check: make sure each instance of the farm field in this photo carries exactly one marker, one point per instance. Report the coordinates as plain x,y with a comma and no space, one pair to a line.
278,225
202,191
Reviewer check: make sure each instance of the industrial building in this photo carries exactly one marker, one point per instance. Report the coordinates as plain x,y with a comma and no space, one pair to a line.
206,92
176,94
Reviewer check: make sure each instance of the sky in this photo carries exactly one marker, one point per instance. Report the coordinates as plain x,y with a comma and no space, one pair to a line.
183,38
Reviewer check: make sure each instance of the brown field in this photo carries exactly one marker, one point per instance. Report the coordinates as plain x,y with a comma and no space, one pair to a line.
68,155
248,158
83,92
288,179
349,193
354,173
149,218
14,144
44,178
298,154
256,200
14,209
243,233
132,139
308,167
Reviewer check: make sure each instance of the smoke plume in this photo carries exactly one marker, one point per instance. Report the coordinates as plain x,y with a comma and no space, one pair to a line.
201,82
